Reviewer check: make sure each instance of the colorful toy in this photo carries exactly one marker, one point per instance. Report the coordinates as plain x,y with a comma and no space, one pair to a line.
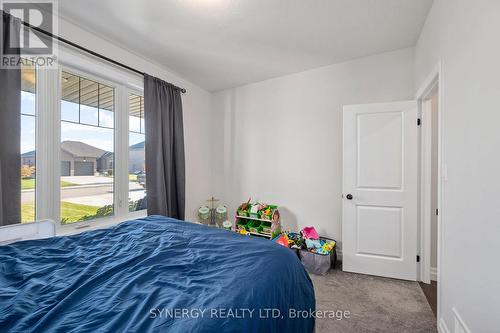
328,246
320,246
261,206
309,232
266,213
283,240
245,205
313,243
254,211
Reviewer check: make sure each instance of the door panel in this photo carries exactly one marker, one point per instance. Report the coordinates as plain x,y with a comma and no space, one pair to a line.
380,134
379,225
84,168
379,231
65,168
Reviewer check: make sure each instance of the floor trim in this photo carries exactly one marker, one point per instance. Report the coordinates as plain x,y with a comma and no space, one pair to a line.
442,328
434,275
460,325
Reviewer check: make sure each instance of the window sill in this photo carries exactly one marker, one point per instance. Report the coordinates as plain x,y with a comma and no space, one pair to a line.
76,228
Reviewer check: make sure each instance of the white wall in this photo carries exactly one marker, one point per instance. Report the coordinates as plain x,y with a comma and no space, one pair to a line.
464,35
196,106
280,140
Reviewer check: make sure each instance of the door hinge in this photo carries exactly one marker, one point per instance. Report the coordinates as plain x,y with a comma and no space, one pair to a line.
418,258
419,121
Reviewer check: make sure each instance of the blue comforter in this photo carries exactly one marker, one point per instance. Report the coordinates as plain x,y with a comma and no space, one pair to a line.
154,274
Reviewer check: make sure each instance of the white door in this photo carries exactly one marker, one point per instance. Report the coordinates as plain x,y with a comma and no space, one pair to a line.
379,215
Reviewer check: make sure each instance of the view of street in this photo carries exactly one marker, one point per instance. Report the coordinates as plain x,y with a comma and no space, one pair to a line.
86,193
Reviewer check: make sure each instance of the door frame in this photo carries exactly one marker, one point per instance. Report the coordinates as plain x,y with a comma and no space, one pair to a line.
434,80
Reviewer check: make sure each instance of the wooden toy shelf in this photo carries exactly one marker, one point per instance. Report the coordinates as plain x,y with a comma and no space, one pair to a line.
252,218
244,223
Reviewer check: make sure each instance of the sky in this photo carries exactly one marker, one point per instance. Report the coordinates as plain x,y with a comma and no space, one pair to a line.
96,136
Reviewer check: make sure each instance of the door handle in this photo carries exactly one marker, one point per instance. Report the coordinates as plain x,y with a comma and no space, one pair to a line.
349,196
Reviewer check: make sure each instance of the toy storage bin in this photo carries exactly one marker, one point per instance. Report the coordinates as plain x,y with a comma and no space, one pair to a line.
266,227
254,215
254,226
243,213
316,263
242,224
265,217
268,217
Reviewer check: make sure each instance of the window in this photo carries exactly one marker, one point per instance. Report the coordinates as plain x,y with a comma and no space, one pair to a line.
87,149
136,154
93,169
28,141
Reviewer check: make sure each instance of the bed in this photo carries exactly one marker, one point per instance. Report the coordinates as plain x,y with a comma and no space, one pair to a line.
154,274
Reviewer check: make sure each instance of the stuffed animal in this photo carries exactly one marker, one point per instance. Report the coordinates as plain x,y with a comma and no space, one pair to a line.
245,205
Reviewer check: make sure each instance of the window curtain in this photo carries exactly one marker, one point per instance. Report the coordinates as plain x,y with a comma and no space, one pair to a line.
10,125
165,162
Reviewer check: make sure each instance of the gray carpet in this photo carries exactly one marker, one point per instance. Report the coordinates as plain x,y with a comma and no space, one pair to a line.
375,304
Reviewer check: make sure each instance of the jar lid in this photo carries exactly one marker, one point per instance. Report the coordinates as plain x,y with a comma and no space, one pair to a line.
203,210
221,209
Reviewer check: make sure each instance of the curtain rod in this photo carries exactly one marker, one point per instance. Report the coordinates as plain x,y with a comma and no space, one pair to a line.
95,54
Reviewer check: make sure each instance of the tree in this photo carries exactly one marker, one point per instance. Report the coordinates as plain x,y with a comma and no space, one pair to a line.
27,171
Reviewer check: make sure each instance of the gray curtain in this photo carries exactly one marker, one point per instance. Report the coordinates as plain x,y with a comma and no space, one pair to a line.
10,126
165,163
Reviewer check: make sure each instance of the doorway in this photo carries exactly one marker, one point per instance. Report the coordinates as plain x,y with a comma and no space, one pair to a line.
429,194
392,177
431,176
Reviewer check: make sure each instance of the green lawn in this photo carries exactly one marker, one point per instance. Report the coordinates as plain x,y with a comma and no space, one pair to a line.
29,184
72,212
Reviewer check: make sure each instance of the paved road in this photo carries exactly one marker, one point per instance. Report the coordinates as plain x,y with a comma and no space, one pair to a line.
93,195
87,180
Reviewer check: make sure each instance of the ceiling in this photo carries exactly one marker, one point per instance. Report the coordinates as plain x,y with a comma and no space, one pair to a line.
220,44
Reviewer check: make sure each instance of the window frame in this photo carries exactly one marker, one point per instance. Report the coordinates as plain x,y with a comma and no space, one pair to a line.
35,118
48,136
141,94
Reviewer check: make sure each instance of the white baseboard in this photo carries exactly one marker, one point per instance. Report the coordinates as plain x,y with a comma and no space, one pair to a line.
442,328
434,275
460,326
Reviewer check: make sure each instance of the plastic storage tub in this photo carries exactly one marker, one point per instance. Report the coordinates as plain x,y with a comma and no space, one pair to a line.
242,224
266,227
255,226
